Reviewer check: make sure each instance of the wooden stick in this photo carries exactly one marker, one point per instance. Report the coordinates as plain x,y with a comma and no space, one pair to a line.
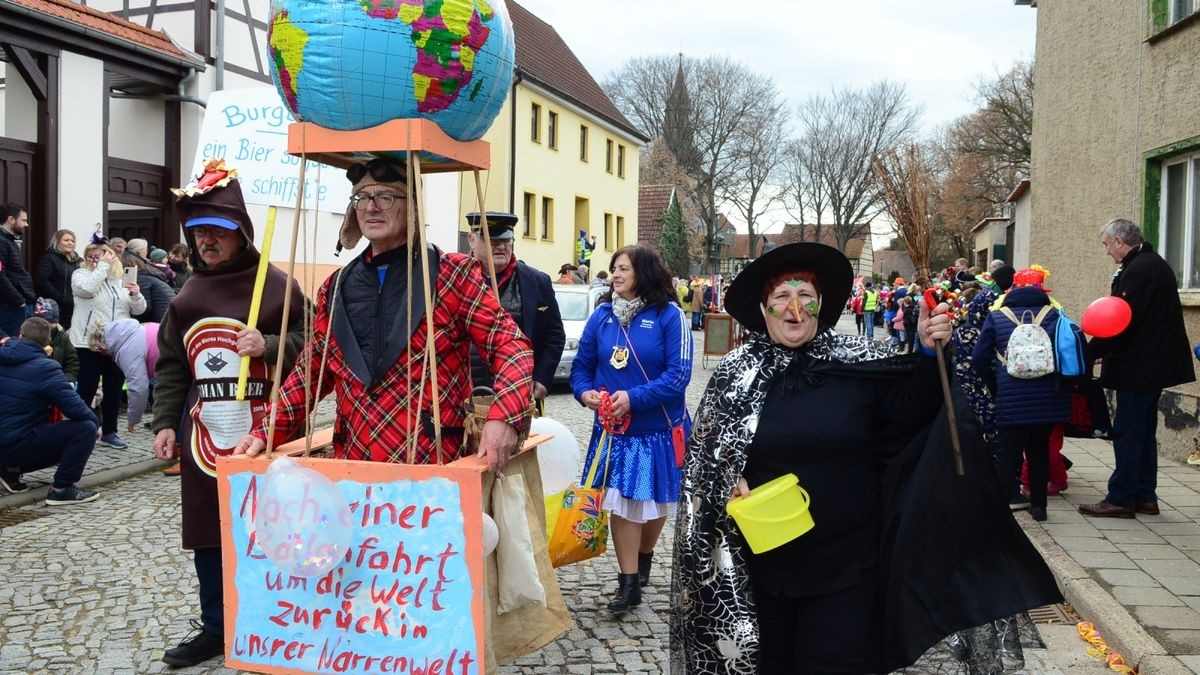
951,418
490,264
287,304
414,160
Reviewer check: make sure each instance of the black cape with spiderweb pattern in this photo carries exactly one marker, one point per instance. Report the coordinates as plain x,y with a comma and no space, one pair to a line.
953,561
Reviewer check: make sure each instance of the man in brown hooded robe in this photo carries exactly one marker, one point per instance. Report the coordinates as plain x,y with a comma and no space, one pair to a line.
201,341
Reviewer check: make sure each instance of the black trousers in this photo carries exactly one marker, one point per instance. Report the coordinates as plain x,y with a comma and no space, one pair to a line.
1035,440
92,365
212,588
827,633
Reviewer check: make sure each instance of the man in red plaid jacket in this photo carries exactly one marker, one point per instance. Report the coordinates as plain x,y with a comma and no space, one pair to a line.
369,348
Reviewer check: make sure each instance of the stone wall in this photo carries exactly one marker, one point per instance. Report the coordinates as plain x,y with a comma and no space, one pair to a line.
1104,96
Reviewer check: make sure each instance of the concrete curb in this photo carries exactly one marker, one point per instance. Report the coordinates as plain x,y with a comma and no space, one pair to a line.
1119,628
91,480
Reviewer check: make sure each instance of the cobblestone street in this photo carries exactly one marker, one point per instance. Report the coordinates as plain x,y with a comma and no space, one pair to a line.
105,588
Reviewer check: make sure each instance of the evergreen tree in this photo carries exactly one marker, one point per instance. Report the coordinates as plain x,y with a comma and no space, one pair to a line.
672,241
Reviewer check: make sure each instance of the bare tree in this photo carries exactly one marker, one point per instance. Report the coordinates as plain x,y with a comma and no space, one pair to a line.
979,158
758,156
840,133
723,94
1002,128
803,188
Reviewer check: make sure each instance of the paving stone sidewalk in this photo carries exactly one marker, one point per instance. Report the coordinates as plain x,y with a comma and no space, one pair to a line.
104,587
1149,565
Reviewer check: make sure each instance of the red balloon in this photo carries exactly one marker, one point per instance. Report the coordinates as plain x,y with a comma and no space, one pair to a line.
1106,317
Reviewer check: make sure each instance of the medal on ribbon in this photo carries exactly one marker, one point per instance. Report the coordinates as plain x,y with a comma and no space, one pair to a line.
620,357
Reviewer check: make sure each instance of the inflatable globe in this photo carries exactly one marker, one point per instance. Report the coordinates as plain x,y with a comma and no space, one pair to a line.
354,64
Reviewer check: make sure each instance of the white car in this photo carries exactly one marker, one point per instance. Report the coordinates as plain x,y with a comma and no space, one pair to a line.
576,303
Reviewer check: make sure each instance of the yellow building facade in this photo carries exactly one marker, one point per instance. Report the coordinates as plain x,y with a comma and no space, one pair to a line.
564,159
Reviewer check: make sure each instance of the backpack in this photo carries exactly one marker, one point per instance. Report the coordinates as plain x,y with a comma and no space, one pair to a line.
1069,348
1030,354
687,297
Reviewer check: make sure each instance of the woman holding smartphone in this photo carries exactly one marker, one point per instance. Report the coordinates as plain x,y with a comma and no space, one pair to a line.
102,293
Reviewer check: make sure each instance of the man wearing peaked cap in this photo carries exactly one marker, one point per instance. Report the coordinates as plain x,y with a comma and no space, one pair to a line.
525,293
200,341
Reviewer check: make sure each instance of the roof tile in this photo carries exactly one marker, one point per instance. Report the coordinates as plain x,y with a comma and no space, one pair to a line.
543,56
109,24
653,202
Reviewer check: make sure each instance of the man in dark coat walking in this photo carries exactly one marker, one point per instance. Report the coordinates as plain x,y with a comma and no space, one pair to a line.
1147,357
527,295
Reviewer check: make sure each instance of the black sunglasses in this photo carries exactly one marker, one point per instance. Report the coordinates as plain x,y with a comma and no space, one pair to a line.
381,169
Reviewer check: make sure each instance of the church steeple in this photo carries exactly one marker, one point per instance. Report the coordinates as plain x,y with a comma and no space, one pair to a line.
677,122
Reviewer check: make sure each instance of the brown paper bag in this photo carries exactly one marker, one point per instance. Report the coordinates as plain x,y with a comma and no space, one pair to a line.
531,627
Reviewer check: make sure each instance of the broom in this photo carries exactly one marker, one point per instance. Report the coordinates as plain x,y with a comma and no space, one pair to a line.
904,184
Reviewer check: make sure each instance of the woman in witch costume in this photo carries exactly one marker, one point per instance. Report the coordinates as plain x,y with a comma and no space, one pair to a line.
899,541
633,367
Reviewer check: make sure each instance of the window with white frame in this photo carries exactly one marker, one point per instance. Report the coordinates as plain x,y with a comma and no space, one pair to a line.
1179,222
1182,9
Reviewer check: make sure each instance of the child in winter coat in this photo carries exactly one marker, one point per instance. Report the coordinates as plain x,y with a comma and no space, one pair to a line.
60,340
1027,408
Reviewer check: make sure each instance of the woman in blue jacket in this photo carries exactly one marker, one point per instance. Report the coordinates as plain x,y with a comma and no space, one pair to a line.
1026,409
635,361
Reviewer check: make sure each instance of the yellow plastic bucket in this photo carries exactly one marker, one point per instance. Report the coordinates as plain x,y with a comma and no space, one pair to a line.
774,513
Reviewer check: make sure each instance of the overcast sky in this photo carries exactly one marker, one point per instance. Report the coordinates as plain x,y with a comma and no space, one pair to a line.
938,48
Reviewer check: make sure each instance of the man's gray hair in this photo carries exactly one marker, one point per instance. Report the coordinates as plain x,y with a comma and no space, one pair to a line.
1125,230
139,246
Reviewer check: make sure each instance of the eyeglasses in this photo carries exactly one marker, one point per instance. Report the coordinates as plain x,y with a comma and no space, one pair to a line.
381,169
383,201
93,258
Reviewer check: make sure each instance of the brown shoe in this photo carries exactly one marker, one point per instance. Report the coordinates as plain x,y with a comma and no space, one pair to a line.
173,470
1147,508
1103,509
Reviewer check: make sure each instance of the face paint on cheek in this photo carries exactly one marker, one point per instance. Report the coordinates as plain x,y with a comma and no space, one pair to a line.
812,307
774,312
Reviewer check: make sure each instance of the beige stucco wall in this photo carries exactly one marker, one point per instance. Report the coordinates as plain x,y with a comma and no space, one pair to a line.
1104,96
20,109
1022,215
81,194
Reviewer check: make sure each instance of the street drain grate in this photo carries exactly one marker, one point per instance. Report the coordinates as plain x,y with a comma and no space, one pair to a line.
1052,614
16,517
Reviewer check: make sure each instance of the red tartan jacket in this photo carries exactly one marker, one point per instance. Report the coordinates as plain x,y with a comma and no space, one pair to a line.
373,422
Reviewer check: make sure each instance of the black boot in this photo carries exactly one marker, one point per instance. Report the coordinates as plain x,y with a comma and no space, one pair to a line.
645,560
629,594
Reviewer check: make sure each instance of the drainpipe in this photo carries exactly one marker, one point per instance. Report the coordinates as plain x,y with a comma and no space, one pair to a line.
180,96
220,64
512,152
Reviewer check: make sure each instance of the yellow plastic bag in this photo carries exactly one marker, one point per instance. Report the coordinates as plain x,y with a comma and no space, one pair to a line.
577,525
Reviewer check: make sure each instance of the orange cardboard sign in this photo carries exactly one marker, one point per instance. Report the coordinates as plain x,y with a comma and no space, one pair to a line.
407,597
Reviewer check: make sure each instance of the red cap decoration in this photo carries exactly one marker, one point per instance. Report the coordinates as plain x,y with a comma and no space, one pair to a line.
1034,276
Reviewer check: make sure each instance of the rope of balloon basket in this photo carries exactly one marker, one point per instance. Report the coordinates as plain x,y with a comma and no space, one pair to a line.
287,306
413,241
310,316
337,284
429,371
491,263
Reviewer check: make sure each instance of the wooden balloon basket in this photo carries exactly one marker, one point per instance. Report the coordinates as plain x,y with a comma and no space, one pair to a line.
414,591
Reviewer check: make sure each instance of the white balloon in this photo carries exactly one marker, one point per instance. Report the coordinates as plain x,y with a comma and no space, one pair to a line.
491,535
558,458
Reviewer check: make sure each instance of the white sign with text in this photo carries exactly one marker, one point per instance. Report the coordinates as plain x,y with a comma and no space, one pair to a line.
248,128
